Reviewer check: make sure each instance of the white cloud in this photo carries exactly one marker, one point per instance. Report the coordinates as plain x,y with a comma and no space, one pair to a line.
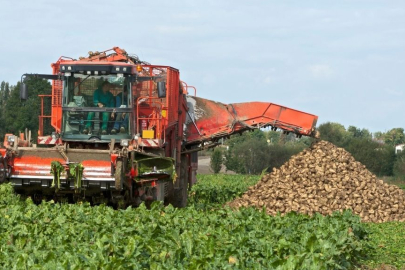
268,80
209,79
321,71
394,92
186,15
164,29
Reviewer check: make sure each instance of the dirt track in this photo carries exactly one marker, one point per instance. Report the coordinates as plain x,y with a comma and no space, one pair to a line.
204,166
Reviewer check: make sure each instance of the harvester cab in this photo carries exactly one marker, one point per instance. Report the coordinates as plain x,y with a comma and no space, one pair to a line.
92,104
89,105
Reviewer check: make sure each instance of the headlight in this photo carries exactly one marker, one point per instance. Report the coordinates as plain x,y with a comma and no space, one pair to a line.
124,143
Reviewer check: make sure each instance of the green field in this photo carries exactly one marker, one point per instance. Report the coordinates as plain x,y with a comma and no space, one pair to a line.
386,240
204,235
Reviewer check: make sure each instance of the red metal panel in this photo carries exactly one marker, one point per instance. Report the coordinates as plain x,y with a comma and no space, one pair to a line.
155,143
253,113
46,140
215,119
56,119
96,169
173,88
33,165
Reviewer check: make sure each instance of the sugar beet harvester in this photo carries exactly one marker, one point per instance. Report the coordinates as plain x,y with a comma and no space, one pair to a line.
158,129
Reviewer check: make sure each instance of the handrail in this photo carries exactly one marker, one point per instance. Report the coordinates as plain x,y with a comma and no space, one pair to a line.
157,118
186,87
42,116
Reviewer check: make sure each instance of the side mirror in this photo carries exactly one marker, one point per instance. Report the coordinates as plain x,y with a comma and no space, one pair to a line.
161,87
23,91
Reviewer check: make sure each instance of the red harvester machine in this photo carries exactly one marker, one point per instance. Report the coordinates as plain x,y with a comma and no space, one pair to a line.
152,155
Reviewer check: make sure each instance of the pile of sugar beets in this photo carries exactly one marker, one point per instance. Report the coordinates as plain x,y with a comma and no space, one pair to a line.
324,179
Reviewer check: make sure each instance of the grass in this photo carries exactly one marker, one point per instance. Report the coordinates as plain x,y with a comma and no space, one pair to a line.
388,240
395,181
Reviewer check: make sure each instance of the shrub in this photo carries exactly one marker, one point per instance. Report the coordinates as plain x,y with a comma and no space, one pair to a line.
216,160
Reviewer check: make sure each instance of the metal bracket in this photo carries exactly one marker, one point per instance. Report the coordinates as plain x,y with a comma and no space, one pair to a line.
62,152
112,145
195,125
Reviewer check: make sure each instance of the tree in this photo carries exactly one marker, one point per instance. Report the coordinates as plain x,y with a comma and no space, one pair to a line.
18,115
251,153
273,136
247,153
399,165
334,133
280,154
359,133
395,136
378,158
250,157
4,93
216,160
379,136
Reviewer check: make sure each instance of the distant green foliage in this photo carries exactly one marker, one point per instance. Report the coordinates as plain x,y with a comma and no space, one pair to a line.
17,115
338,135
252,152
399,165
220,188
377,156
78,236
280,154
249,156
216,160
394,136
334,133
359,133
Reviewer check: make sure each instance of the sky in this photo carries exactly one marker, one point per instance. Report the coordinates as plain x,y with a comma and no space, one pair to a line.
343,61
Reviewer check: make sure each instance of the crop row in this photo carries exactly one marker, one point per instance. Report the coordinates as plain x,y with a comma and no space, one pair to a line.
67,236
219,189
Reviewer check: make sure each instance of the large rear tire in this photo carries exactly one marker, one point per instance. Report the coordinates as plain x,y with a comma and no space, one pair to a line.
180,187
3,170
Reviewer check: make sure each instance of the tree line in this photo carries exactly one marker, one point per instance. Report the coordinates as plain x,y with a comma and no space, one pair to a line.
17,115
260,150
